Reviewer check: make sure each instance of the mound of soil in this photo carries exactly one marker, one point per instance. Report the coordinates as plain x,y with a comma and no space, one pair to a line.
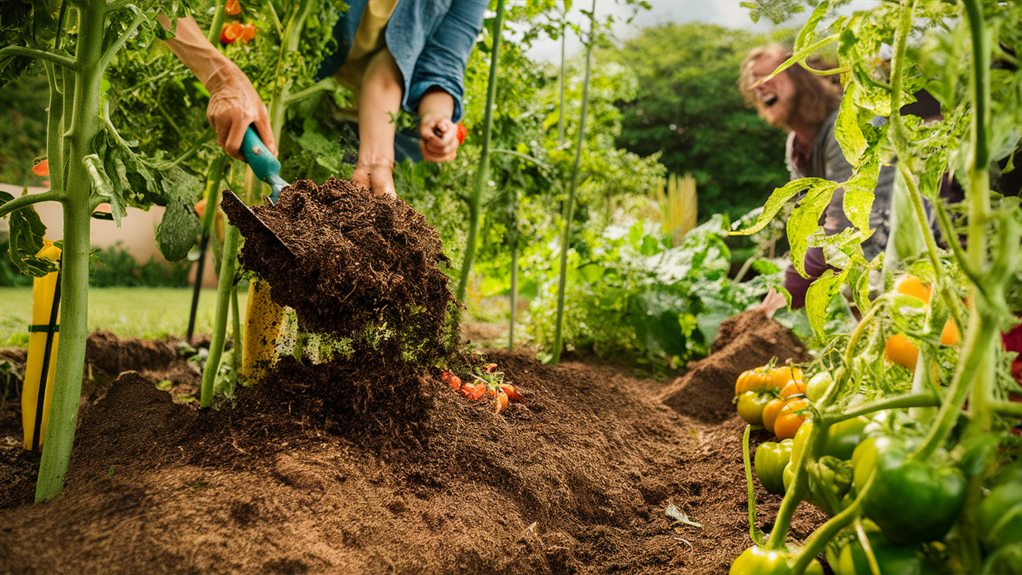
575,480
353,259
744,342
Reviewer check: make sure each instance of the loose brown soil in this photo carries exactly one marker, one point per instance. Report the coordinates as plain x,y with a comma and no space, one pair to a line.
294,480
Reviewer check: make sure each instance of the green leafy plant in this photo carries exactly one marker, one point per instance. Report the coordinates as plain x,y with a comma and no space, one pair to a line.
74,42
940,424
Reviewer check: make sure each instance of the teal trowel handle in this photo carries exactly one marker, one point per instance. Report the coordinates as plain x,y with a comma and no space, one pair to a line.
264,165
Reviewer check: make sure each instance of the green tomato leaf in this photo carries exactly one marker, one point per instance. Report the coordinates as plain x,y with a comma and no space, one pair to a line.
26,239
859,195
818,299
847,130
776,201
805,220
180,226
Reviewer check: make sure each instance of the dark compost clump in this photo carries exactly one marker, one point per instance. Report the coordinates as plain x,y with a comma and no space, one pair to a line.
361,269
356,259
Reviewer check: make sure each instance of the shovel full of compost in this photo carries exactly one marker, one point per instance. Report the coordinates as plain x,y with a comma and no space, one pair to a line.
344,258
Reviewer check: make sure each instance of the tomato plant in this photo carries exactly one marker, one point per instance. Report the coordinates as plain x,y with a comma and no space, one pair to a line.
935,432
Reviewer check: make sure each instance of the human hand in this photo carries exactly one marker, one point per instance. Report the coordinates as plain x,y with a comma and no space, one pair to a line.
772,302
438,138
234,105
378,177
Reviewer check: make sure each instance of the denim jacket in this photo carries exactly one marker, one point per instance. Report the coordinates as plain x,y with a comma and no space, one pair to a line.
429,39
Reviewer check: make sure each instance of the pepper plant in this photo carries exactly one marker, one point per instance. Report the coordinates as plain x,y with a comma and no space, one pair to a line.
939,432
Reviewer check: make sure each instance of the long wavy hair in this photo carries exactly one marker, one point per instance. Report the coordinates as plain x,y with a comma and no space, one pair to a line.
816,96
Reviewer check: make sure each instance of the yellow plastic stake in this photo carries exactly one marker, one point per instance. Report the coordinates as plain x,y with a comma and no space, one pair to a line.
263,320
42,349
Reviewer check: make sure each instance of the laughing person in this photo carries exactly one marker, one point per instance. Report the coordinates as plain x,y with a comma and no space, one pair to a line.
806,106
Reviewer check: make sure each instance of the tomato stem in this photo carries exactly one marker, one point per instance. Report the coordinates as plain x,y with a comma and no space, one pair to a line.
908,400
750,488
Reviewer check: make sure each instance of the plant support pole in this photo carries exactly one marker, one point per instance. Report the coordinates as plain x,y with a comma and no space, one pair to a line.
483,175
569,205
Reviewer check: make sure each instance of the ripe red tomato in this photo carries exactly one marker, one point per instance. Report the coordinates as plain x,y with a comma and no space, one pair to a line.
462,133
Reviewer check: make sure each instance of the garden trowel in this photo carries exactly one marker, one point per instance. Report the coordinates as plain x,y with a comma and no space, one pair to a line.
264,165
266,168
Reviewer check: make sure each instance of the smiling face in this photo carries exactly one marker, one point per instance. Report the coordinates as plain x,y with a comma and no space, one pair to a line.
776,100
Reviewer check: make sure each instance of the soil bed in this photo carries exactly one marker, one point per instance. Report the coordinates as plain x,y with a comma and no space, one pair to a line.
576,480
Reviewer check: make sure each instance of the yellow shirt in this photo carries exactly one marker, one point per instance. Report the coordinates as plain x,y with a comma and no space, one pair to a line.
369,40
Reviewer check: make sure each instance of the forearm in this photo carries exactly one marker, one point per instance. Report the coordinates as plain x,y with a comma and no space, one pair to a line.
191,47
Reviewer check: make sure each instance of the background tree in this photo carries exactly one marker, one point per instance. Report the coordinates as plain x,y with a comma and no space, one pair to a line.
689,108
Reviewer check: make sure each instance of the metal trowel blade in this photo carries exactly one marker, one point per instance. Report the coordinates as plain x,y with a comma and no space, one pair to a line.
240,213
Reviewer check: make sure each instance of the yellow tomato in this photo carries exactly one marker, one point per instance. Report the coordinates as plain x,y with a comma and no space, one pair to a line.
913,286
901,351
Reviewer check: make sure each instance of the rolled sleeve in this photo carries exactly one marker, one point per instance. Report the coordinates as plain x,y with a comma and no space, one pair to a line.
444,57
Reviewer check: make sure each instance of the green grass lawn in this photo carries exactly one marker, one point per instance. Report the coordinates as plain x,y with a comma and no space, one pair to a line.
127,312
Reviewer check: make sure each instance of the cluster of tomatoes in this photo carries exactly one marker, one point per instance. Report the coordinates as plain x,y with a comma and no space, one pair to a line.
773,397
486,383
899,348
235,31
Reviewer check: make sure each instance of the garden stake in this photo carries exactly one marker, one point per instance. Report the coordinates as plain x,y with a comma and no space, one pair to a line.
208,222
37,404
51,331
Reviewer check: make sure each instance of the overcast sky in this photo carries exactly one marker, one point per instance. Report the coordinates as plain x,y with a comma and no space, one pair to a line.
723,12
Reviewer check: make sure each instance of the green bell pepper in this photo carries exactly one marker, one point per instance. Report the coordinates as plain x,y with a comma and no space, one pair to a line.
911,501
892,559
771,459
758,561
829,479
999,515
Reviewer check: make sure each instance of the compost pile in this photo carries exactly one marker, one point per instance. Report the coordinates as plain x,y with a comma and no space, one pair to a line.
357,261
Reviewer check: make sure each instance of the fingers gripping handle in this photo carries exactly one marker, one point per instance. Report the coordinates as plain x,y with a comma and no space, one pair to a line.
264,165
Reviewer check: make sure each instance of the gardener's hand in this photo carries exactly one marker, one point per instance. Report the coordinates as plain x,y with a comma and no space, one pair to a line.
234,105
439,139
233,102
378,177
438,134
772,302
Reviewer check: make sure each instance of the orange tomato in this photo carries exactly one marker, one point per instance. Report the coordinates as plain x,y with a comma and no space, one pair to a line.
789,420
230,32
42,168
512,393
912,286
780,376
248,32
770,412
752,380
200,208
900,350
501,402
950,335
794,387
232,7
